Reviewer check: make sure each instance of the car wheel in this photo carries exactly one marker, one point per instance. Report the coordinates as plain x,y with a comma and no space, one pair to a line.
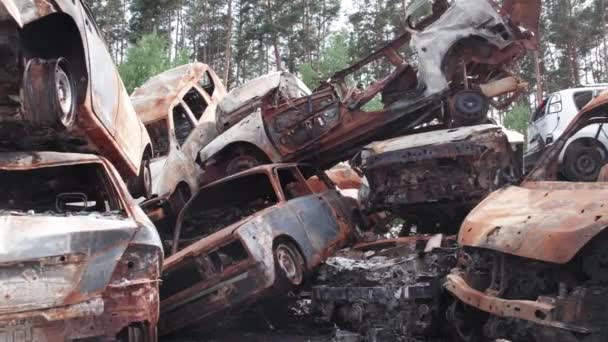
241,163
583,162
469,107
142,184
49,93
289,264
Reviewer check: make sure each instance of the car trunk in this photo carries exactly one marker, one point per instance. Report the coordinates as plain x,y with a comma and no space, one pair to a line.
55,261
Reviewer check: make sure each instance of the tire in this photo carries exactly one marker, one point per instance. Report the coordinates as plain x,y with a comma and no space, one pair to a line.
49,92
136,333
289,264
583,162
241,163
178,200
469,107
142,184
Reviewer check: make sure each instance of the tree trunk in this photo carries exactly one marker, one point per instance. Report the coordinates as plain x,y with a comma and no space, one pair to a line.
228,51
275,38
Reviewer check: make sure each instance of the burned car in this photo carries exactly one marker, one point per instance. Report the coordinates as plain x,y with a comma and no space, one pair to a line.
464,53
432,180
386,290
178,109
533,266
240,239
80,261
62,92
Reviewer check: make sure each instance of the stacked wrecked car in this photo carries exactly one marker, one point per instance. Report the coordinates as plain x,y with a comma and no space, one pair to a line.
79,258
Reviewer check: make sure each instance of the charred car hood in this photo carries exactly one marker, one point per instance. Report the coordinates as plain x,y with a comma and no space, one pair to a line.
54,261
547,221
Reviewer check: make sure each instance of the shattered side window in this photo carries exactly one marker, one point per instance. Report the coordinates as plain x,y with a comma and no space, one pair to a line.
206,82
226,203
159,134
291,184
196,102
73,189
182,124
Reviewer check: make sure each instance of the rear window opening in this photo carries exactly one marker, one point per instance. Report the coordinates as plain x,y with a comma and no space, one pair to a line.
224,204
581,99
196,102
74,189
159,134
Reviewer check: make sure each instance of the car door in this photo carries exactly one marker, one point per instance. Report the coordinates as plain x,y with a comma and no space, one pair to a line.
103,77
203,110
312,210
183,124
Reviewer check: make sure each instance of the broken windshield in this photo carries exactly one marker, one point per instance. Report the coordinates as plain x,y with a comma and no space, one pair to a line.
219,206
72,189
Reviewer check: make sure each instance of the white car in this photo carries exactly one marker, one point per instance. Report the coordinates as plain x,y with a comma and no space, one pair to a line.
586,152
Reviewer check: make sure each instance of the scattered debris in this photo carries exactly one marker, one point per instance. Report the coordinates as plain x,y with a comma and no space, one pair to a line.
533,261
79,259
243,238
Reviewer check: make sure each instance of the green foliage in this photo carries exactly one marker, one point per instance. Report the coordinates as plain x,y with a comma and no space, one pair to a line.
333,58
148,57
517,119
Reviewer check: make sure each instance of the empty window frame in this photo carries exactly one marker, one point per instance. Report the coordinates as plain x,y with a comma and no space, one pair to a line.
159,134
182,124
196,102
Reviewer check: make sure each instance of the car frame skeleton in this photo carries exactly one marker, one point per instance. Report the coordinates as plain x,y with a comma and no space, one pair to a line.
432,180
232,246
534,255
74,265
466,55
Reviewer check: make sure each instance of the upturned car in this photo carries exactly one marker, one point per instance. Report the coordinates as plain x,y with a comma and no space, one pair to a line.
62,92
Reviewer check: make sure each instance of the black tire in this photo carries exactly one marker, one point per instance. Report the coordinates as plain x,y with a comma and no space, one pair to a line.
178,199
469,107
49,91
142,184
241,163
289,264
583,162
136,333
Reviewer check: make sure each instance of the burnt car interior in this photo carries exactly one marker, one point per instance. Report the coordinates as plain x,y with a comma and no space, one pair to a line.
223,204
74,189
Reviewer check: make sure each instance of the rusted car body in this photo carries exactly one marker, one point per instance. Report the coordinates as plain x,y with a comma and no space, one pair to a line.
432,180
61,90
258,232
464,53
534,256
78,259
178,109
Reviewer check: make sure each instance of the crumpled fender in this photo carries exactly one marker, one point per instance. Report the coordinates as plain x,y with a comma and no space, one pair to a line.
525,13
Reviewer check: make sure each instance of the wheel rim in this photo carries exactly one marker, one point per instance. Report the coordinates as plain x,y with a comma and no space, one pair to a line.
586,165
289,265
65,95
470,106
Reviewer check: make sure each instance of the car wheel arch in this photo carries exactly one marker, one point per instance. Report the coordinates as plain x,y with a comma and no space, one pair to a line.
36,44
285,238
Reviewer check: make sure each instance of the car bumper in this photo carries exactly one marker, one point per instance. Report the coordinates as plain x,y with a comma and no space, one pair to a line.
544,311
100,317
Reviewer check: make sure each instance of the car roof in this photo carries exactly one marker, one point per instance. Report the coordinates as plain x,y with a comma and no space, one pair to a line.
36,160
258,169
258,87
153,100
